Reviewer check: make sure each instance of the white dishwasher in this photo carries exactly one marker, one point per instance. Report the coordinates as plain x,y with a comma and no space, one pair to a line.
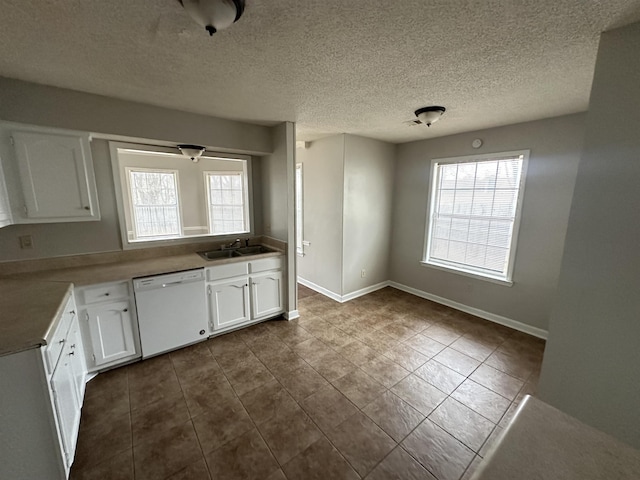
172,311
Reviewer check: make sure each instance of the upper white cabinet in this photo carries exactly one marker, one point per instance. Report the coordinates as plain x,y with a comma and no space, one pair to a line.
49,175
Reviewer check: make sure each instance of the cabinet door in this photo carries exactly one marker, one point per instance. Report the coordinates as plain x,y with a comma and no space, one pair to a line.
77,360
57,178
63,386
229,303
111,328
267,294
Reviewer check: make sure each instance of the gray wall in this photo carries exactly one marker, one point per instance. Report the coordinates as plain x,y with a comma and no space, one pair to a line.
591,365
555,146
48,106
274,188
369,167
278,208
57,107
323,177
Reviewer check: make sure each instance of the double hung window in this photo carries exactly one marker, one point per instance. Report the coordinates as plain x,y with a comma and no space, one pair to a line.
154,203
227,203
474,214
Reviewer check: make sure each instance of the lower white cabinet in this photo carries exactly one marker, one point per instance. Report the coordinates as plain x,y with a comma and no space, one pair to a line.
41,394
109,325
267,294
242,292
229,303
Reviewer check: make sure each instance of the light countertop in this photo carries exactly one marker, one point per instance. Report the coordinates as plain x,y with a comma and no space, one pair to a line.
27,311
543,443
31,302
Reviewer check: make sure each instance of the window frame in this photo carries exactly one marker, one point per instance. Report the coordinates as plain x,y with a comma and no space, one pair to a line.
245,199
299,208
507,279
132,215
167,148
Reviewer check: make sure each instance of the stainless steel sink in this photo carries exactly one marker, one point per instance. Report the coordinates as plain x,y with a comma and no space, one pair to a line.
235,252
253,250
216,254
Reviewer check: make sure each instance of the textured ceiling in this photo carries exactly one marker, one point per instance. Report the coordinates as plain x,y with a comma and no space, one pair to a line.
359,67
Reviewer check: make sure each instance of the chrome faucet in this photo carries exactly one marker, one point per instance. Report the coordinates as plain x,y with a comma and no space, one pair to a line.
231,245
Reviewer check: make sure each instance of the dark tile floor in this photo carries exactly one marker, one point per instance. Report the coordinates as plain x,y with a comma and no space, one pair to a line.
385,386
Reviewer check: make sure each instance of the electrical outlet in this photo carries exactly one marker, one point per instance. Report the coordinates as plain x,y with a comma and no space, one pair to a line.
363,273
26,242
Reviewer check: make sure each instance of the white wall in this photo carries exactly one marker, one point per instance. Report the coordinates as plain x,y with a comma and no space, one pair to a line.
555,146
368,196
54,107
323,177
591,365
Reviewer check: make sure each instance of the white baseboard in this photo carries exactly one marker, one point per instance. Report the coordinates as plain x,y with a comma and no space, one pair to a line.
507,322
364,291
292,315
319,289
342,298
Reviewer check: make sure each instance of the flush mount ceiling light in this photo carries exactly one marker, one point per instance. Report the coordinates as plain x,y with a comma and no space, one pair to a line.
194,152
429,115
214,15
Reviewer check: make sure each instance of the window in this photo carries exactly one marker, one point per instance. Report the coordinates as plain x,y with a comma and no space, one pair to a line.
226,202
475,212
165,198
154,200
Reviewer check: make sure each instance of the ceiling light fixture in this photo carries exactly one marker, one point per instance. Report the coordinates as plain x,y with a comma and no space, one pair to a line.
214,15
429,115
194,152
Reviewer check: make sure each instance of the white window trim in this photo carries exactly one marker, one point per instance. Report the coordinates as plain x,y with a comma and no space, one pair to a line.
132,216
245,199
300,221
151,148
508,278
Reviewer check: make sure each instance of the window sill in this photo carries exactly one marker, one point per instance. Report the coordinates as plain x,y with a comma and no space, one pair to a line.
506,283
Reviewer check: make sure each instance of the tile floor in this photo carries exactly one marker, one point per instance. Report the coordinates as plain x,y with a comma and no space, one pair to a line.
385,386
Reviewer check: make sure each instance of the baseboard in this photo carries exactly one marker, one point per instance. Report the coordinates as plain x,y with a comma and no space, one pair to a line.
364,291
507,322
319,289
342,298
292,315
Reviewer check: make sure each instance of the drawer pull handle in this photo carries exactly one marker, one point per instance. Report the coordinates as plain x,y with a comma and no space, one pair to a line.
71,353
61,341
125,310
87,208
106,294
72,312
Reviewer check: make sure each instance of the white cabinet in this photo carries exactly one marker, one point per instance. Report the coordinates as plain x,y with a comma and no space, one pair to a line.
66,400
243,292
41,396
267,294
109,325
229,303
56,174
67,382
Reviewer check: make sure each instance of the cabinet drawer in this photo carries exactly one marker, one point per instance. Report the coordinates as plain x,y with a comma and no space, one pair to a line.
101,293
59,337
226,271
264,264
